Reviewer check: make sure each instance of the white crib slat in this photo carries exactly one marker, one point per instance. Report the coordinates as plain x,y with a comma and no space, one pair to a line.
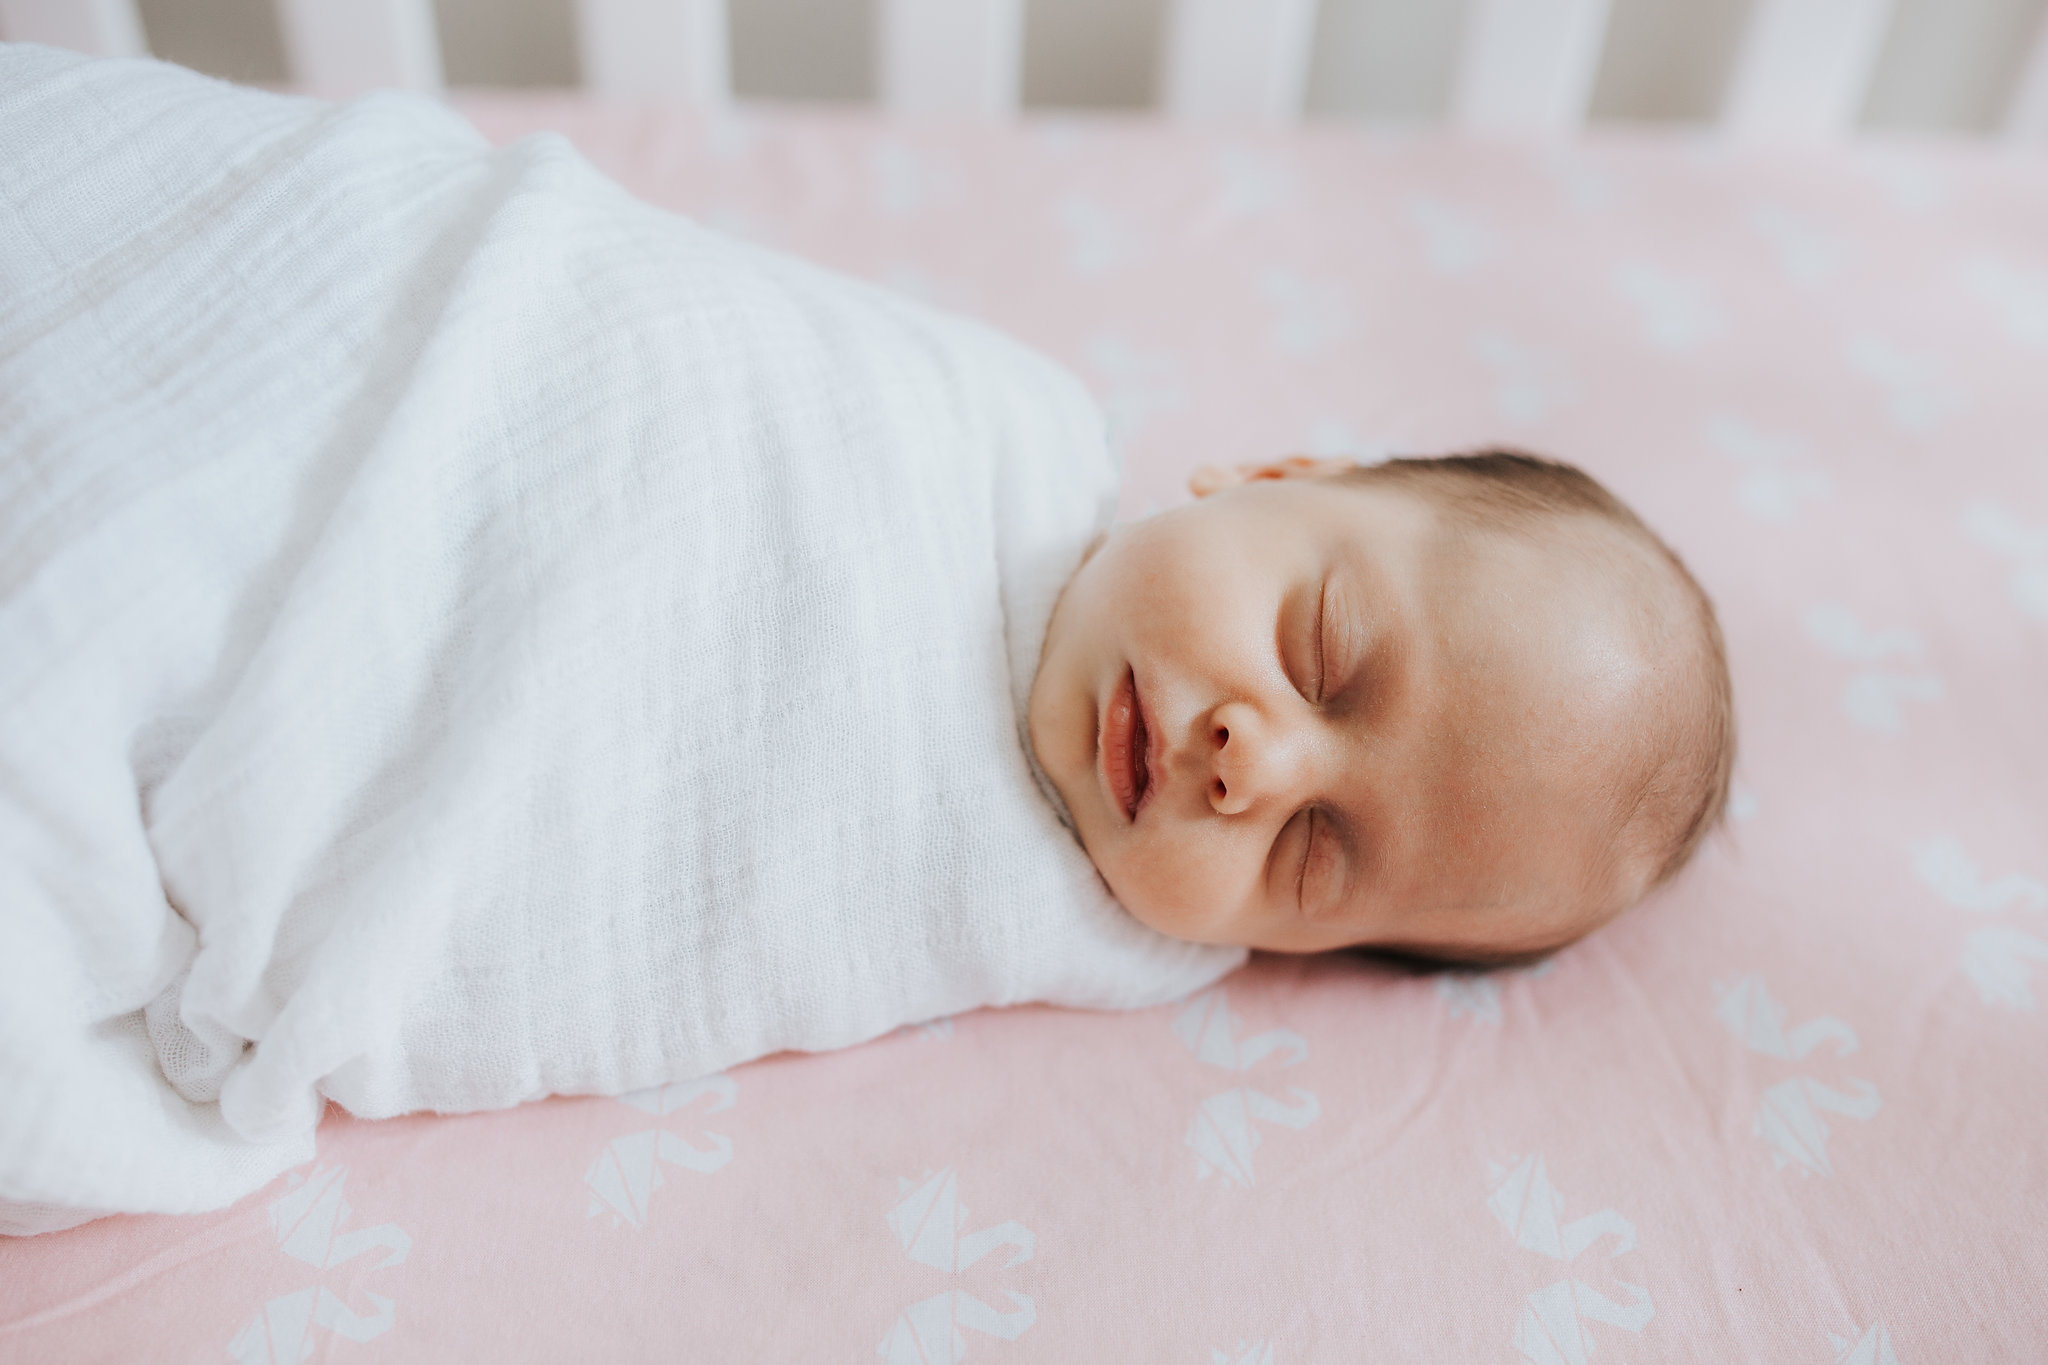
954,57
340,47
2026,117
1527,66
1236,59
1803,67
655,49
104,28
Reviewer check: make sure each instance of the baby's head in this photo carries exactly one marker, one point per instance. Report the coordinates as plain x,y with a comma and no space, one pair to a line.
1467,708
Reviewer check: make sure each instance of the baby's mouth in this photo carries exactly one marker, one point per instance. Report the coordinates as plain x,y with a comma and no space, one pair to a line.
1124,743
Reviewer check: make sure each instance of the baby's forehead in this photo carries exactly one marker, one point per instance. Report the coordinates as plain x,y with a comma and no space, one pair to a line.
1550,678
1602,685
1576,598
1447,539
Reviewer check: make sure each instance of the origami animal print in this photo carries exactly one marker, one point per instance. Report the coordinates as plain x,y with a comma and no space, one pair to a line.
927,1220
1998,960
1224,1130
308,1223
1788,1115
1873,698
1551,1327
624,1176
1874,1347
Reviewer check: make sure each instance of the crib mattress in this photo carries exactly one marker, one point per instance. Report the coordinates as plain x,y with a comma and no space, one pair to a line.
1790,1110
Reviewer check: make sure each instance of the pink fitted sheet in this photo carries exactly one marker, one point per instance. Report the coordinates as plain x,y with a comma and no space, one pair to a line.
1792,1110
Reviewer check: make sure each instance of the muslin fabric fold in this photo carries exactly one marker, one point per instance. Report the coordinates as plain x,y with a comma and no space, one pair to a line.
466,635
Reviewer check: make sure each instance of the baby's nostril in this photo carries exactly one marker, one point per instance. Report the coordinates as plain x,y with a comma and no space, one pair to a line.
1222,792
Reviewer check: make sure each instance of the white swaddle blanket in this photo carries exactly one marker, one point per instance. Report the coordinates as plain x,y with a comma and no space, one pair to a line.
466,635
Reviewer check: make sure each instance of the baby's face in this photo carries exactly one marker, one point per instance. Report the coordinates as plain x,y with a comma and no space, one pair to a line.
1300,715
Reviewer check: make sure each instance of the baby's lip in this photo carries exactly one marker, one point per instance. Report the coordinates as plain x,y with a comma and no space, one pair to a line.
1148,748
1124,747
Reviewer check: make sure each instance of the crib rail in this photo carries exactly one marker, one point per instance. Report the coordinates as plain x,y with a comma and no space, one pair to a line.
1528,64
1802,68
361,44
1237,58
2026,117
1804,65
107,28
651,49
951,56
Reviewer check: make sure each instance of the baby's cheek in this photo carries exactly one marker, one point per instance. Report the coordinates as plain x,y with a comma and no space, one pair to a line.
1174,891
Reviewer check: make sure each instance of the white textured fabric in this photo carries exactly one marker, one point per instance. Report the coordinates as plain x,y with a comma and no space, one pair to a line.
466,635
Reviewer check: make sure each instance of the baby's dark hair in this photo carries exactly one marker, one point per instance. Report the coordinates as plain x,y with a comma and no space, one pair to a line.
1684,796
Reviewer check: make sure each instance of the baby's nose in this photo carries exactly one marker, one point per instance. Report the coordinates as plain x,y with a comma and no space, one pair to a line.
1253,759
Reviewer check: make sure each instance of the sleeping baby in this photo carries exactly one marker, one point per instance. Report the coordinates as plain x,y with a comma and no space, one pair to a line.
467,635
1465,709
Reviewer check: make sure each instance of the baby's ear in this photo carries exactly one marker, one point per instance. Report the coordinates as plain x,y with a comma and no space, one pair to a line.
1214,478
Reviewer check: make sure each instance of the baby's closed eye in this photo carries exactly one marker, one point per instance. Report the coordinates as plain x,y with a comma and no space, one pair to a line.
1315,853
1320,652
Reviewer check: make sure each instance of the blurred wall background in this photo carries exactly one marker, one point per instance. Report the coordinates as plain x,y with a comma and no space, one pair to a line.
1947,65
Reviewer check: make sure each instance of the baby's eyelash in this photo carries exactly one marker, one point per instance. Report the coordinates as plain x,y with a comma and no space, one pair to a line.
1308,846
1322,648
